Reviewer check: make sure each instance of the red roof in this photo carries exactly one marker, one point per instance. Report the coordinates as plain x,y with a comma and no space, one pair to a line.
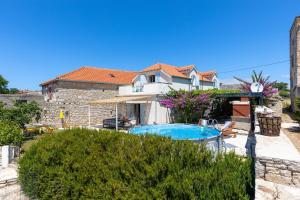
120,77
169,69
97,75
206,76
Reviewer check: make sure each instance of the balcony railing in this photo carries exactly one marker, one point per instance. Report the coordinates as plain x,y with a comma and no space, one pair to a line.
149,88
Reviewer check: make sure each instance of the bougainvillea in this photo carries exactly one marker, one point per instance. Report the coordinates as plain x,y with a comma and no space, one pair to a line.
268,89
186,104
168,102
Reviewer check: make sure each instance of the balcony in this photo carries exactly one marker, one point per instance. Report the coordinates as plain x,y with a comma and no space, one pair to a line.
147,89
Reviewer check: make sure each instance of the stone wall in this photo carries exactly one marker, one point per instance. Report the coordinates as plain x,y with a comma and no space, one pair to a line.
10,99
278,170
276,105
295,61
73,98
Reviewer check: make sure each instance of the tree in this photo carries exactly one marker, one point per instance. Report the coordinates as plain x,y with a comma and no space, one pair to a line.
21,113
281,86
10,133
3,85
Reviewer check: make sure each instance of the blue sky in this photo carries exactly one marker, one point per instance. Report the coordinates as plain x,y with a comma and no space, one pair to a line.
42,39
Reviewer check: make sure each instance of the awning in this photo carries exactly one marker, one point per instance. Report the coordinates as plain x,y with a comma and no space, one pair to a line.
121,99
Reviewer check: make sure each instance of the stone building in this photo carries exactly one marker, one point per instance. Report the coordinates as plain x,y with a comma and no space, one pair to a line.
71,93
295,61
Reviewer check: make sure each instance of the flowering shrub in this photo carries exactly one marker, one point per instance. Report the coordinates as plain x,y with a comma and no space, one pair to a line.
268,89
186,104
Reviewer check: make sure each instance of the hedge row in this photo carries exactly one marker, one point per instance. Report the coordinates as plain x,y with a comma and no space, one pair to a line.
85,164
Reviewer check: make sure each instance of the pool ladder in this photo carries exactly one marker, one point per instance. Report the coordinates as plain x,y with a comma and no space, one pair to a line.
213,123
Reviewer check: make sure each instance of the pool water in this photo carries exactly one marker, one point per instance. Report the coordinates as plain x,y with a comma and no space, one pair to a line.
177,131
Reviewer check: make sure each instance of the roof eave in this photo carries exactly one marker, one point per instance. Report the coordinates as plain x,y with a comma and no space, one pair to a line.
78,81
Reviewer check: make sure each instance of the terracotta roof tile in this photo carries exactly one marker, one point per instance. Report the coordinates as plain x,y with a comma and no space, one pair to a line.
120,77
206,76
169,69
188,67
97,75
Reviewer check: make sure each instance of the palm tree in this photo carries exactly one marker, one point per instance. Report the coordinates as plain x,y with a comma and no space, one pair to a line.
268,89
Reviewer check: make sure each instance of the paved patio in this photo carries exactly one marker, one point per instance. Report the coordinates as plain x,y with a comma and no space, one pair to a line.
8,173
275,147
279,147
265,190
9,187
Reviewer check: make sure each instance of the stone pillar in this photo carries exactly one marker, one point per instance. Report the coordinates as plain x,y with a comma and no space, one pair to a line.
5,155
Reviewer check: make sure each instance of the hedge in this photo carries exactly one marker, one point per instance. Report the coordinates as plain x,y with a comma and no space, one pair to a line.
85,164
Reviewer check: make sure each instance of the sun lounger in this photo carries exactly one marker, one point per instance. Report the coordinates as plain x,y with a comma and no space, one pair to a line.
227,129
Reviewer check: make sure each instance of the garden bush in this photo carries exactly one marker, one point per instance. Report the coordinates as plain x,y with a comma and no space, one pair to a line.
10,133
85,164
284,93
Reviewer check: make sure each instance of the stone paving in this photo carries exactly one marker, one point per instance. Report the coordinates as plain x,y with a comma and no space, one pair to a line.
9,187
276,159
265,190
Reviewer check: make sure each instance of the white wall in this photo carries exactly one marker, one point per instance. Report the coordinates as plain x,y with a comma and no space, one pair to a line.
160,77
155,113
181,83
194,73
204,85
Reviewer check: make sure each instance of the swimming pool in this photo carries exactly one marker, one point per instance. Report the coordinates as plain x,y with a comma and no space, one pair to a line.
178,131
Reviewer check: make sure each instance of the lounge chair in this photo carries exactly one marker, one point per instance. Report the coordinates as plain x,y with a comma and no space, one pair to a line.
111,123
227,129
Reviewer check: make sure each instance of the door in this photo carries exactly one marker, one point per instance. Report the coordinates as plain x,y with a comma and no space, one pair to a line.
137,113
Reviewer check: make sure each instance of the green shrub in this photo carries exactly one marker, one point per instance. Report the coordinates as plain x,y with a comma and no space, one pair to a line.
10,133
21,113
85,164
284,93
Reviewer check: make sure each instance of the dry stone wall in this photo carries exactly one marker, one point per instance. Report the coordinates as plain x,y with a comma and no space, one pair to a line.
278,170
10,99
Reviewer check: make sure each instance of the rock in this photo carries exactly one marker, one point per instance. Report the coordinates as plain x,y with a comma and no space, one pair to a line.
296,179
278,179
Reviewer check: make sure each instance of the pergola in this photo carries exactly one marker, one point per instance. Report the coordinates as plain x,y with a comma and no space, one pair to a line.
250,95
117,100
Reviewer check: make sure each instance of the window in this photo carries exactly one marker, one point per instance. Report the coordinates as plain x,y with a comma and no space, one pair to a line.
194,80
50,94
151,79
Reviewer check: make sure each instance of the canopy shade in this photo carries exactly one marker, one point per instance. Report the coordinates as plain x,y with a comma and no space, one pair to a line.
116,100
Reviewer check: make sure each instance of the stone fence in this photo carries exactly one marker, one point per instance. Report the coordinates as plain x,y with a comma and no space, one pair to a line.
278,170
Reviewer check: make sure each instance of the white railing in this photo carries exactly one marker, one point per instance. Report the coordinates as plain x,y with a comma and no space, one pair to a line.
149,88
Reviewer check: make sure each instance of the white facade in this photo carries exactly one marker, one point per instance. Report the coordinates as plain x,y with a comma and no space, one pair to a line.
163,83
156,84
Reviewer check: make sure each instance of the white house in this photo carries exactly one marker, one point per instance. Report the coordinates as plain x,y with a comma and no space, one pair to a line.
155,81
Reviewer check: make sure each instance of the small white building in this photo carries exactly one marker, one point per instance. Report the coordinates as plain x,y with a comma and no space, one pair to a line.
155,81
